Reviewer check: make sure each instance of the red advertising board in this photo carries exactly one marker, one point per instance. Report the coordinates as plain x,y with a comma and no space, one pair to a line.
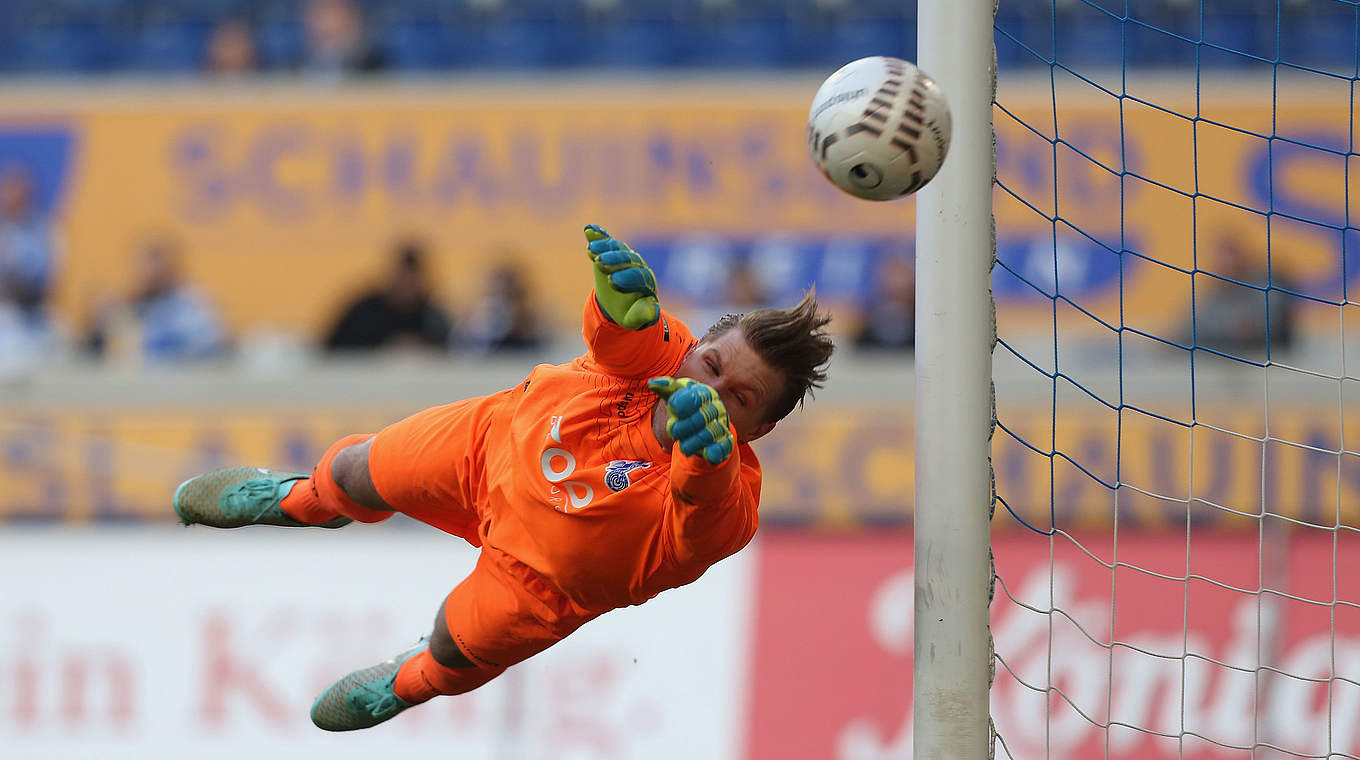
1192,661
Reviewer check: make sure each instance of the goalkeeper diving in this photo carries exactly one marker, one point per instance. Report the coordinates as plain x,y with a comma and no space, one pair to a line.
589,486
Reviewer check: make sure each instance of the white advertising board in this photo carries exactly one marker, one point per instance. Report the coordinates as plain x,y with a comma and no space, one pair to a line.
148,643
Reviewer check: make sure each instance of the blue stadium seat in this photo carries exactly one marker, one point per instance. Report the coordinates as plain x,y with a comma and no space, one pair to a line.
34,14
848,10
1028,35
1325,41
415,44
1240,32
1163,45
829,47
640,43
10,27
653,9
166,48
60,49
744,43
539,10
89,10
280,44
521,43
1089,38
269,13
199,10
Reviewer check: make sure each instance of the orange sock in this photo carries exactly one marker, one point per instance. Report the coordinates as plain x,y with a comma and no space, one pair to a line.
421,678
319,499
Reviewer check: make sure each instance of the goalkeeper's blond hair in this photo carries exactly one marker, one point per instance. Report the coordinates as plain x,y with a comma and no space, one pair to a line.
793,341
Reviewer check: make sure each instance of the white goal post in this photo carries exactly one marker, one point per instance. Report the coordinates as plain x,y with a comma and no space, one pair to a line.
955,330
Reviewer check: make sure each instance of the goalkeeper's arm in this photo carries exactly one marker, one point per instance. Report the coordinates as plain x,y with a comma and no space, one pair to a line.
714,493
696,418
625,287
626,331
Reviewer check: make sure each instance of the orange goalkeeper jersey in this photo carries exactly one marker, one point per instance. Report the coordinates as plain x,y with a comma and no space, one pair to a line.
564,473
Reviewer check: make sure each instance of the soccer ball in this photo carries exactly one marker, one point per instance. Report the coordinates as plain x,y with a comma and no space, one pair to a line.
879,128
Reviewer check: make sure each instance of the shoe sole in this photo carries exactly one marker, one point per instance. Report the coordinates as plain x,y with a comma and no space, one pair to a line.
175,502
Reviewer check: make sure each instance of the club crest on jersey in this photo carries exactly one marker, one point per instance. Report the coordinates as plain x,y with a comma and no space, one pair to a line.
616,474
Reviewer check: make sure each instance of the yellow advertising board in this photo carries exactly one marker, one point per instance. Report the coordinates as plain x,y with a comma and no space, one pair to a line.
286,200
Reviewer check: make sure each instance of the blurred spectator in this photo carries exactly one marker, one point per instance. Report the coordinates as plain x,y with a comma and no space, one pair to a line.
337,45
889,317
27,245
28,251
400,312
506,318
1233,313
231,49
164,319
742,292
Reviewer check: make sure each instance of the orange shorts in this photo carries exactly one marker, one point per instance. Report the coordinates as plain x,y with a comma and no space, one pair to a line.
504,612
428,467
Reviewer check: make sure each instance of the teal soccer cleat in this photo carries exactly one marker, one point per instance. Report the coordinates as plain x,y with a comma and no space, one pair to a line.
236,496
364,698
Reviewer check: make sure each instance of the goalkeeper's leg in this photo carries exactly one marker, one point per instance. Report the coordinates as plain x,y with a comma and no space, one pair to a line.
501,614
371,695
337,492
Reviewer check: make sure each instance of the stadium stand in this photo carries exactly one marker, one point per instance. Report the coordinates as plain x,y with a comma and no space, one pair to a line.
168,36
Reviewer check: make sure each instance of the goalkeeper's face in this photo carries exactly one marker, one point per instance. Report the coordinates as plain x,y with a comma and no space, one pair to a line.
745,383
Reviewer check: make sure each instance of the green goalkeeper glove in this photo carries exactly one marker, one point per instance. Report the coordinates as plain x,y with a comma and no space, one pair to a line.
625,286
696,418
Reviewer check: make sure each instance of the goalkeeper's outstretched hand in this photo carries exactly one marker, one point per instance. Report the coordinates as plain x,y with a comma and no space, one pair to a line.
696,418
624,285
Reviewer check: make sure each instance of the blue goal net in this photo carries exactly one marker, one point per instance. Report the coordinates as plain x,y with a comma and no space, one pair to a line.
1177,444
